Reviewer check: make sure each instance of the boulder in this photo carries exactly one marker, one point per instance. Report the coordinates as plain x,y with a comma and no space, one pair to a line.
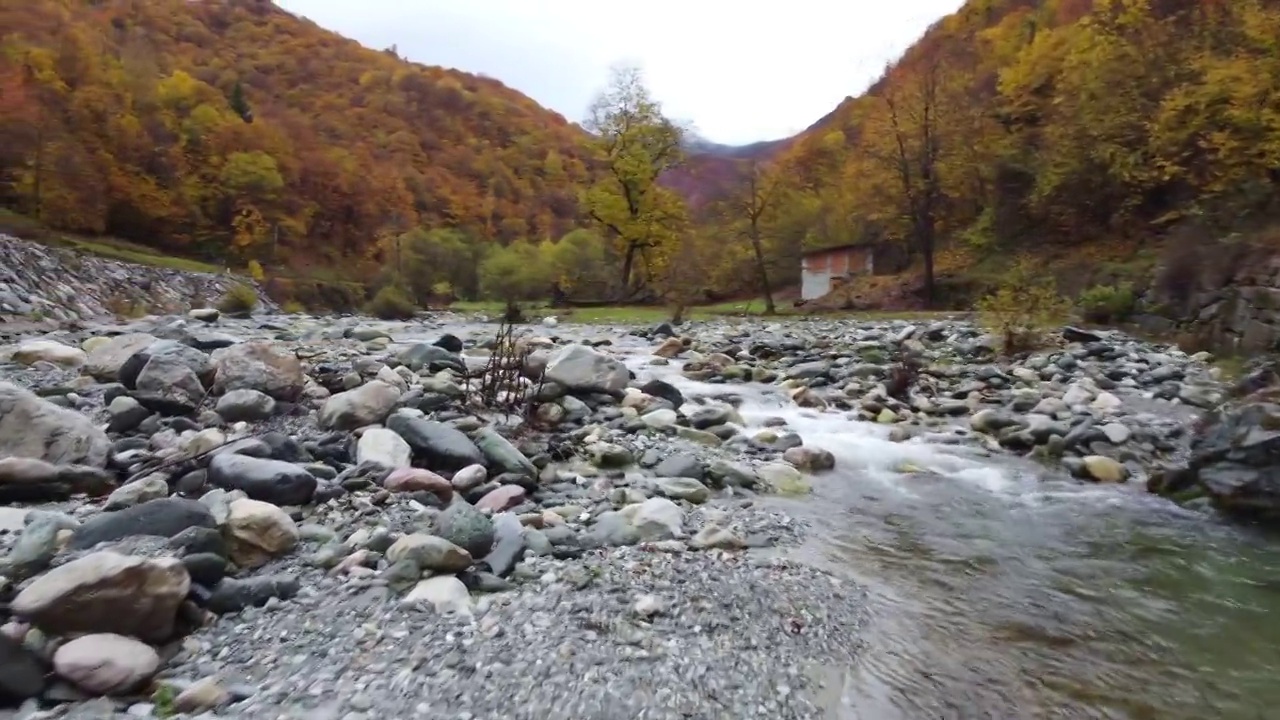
273,481
25,479
174,354
368,404
383,447
445,593
258,365
50,351
582,369
21,672
429,552
246,406
1235,461
257,532
162,517
502,455
106,358
502,498
655,519
466,527
33,427
106,663
167,385
106,592
683,488
439,446
411,479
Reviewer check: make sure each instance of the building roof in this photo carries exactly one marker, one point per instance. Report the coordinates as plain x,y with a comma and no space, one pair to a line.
834,248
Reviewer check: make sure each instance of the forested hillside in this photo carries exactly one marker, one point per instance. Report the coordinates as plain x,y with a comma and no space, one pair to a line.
1054,124
234,130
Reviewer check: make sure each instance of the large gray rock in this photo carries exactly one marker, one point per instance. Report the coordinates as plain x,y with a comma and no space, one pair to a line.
161,517
106,663
466,527
383,447
174,354
502,455
273,481
167,385
36,428
25,479
246,406
429,552
368,404
50,351
683,488
1235,461
582,369
21,672
258,365
440,447
107,357
107,592
432,357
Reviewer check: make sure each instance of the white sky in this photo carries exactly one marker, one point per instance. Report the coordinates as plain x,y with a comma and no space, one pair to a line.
739,71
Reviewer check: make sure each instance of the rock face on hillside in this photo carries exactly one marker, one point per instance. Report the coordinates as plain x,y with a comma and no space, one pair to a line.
1235,461
1219,296
38,282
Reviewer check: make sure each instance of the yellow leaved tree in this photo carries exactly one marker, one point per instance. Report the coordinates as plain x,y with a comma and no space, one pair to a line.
636,144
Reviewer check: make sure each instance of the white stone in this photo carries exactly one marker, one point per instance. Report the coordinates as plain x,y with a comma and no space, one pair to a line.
383,447
106,664
660,418
445,593
258,531
34,351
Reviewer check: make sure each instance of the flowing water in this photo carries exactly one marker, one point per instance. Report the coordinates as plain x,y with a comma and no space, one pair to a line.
1001,591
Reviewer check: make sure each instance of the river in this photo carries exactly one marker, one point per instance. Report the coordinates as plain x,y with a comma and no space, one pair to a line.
999,590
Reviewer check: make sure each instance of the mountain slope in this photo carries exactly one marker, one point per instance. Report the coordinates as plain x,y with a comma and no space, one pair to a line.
231,128
1056,125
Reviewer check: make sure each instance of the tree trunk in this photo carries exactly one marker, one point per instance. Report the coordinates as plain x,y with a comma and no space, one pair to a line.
926,249
762,270
628,261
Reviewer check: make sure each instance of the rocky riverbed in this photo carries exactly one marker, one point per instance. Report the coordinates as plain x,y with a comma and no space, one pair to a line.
332,518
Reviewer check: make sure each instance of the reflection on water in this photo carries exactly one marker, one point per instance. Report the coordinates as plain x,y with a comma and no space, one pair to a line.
999,591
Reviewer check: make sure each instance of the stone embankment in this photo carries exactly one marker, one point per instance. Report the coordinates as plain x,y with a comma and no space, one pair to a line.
38,282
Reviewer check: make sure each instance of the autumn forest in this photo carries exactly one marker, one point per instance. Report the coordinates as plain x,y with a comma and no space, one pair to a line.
235,132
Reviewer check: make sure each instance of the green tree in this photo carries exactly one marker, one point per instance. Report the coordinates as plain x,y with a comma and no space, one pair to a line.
748,211
427,258
239,104
579,263
637,143
514,274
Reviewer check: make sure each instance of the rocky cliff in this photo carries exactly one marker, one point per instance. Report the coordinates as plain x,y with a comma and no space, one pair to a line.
1221,296
38,282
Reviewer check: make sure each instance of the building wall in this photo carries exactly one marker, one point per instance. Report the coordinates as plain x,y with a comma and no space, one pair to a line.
822,272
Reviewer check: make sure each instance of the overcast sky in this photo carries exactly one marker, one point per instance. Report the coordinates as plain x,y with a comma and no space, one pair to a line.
738,70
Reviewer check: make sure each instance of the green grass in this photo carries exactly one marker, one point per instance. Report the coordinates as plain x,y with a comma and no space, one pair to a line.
654,314
106,247
126,252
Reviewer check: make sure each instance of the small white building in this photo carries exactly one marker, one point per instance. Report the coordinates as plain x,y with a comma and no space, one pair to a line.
822,271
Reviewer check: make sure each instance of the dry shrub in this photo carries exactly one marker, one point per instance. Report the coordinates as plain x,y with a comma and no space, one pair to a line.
1023,308
123,306
392,303
502,384
240,299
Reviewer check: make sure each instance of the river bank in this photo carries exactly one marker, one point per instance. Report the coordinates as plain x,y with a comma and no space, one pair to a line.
751,526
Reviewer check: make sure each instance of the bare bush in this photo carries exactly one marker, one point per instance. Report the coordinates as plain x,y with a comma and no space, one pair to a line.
502,384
